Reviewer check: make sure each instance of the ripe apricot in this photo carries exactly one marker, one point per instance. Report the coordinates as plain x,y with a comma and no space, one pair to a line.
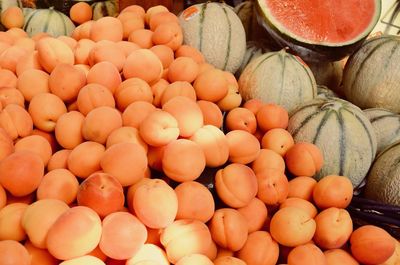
10,222
13,253
126,134
178,88
158,89
226,260
130,22
278,140
195,259
244,147
273,186
211,85
105,51
107,28
159,128
65,81
80,12
183,69
36,144
10,56
86,259
268,159
339,256
150,253
11,95
260,248
270,116
241,119
253,105
333,191
8,78
12,17
141,37
92,96
164,53
68,130
58,184
212,115
39,256
302,187
132,90
256,214
189,51
85,158
127,47
304,159
6,144
105,73
300,203
52,51
232,99
308,254
16,121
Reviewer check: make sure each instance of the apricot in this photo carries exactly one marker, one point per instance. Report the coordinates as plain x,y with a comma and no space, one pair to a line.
3,197
334,227
185,237
162,17
21,167
169,34
117,161
150,253
13,253
164,53
253,105
45,118
36,144
155,204
85,158
68,130
10,222
178,88
80,12
195,259
195,201
107,28
304,159
8,78
255,213
241,119
300,203
100,122
28,61
370,244
135,9
339,256
132,90
16,121
39,256
244,148
58,159
183,69
75,233
58,184
211,85
273,186
127,47
308,254
130,23
278,140
302,187
212,115
126,134
102,193
271,115
292,226
10,56
52,51
6,144
268,160
226,260
108,53
333,191
189,51
142,37
12,17
11,95
231,100
123,235
87,260
71,42
144,64
260,248
82,51
65,81
92,96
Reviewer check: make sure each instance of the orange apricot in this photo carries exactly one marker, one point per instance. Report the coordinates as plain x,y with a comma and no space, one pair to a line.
92,96
241,119
183,160
130,22
16,121
136,9
144,64
142,37
370,244
65,81
105,73
159,128
82,51
304,159
107,52
132,90
149,254
155,204
229,229
86,259
117,161
158,89
39,217
334,227
260,248
178,88
244,147
13,253
36,144
136,112
253,105
154,157
268,159
307,254
339,256
11,95
107,28
256,214
169,34
186,112
231,100
6,144
80,12
161,18
84,159
46,118
58,184
39,256
236,185
71,42
278,140
183,69
271,115
212,114
195,259
333,191
58,159
195,201
12,17
164,53
126,134
302,187
153,11
192,52
292,226
33,76
273,186
213,143
10,222
52,51
185,237
75,233
127,47
7,78
29,61
21,167
211,85
227,260
68,130
300,203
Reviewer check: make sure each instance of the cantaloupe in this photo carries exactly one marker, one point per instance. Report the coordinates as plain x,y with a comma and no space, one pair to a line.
325,92
216,31
278,77
343,133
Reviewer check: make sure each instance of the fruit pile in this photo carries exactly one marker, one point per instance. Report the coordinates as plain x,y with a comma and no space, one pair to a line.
122,144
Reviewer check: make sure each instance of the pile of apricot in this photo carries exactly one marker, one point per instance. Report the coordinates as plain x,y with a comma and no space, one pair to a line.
106,138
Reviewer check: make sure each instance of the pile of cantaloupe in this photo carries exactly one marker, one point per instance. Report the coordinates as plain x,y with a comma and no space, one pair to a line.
105,134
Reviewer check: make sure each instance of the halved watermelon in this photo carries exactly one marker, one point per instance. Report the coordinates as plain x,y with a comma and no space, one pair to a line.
318,30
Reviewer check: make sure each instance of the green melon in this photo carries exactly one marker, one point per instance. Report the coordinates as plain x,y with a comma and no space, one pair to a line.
254,49
278,77
342,132
319,30
49,21
105,8
371,77
383,180
4,4
386,125
325,93
216,31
